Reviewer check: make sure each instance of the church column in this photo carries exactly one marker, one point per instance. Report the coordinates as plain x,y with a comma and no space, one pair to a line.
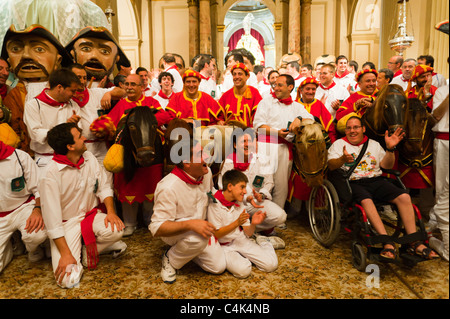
305,30
193,28
294,26
205,27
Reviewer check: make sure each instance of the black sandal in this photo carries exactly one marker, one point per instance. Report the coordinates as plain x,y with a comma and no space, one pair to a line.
388,250
425,253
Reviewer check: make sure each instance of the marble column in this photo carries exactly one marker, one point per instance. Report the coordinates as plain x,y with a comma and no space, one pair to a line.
205,27
305,30
194,43
294,27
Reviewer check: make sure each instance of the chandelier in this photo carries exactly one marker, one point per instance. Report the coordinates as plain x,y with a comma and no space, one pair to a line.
404,36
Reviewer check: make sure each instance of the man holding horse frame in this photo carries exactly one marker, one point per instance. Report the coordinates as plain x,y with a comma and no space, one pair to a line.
368,185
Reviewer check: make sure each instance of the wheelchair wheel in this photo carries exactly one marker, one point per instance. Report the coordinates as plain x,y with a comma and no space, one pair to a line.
324,213
359,257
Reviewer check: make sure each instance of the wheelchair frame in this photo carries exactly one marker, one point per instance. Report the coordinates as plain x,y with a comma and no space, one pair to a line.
328,216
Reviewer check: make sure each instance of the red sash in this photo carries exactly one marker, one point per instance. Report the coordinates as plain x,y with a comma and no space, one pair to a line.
87,232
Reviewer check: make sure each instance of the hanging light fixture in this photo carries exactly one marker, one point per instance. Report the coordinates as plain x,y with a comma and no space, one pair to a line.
404,36
109,12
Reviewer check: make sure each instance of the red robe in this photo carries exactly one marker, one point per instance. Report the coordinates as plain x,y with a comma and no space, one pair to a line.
241,108
124,104
348,106
414,93
204,109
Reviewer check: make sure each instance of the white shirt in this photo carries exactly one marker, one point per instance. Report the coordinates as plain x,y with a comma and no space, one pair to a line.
438,80
298,80
277,115
221,216
176,200
259,166
402,82
40,117
208,86
337,92
10,169
162,101
88,114
369,166
439,96
68,192
177,83
347,80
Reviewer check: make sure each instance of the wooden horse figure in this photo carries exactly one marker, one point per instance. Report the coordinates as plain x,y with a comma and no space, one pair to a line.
416,149
387,114
143,156
310,160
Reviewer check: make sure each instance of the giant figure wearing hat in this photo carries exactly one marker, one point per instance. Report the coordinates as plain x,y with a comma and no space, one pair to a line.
98,51
32,54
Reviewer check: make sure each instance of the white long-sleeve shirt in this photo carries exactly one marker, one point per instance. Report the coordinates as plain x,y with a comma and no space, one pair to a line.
259,166
277,115
220,216
439,96
10,169
176,200
67,192
40,117
336,92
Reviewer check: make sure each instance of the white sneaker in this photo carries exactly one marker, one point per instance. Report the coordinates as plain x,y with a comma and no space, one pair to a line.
35,256
128,231
275,241
168,273
431,226
76,272
438,246
388,212
118,249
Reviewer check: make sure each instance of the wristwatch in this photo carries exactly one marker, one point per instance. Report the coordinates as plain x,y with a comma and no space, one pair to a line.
391,150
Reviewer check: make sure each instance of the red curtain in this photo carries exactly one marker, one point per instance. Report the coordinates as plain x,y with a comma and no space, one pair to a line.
234,39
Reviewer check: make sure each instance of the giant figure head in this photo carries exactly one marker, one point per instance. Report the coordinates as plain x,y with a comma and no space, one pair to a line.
33,53
98,51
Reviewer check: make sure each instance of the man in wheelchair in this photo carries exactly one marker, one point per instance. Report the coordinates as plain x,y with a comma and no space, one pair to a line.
367,183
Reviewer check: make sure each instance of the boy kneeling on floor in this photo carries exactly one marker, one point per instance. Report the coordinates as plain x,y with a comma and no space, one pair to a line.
231,220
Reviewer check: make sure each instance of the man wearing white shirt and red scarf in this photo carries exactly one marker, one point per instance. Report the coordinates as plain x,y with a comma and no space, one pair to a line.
404,80
257,169
330,94
179,215
207,66
19,204
275,114
52,107
342,76
168,61
165,80
80,209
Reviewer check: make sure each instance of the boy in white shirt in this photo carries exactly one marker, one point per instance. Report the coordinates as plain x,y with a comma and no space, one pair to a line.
231,220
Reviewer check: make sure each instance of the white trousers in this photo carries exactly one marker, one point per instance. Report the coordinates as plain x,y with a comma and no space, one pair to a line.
17,221
275,215
207,253
281,168
242,252
441,208
105,237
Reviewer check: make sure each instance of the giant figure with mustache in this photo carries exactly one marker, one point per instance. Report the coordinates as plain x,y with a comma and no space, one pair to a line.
32,54
98,51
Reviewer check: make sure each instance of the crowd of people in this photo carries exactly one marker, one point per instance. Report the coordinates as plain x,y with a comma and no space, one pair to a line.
60,120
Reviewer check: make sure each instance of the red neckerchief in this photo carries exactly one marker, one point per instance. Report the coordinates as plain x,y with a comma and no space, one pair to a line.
240,166
5,150
185,177
360,143
329,87
343,74
265,82
287,101
204,77
81,98
3,90
298,77
172,67
62,159
147,89
164,96
219,196
44,97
